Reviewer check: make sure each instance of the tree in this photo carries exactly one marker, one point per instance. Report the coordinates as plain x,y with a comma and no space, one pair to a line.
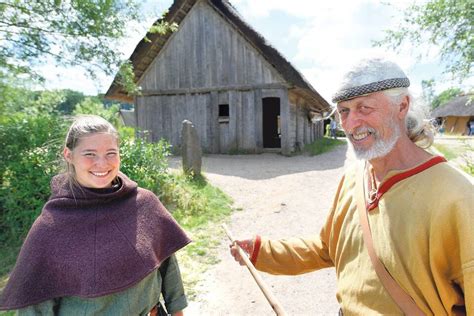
445,96
93,105
69,32
72,98
427,87
448,24
12,97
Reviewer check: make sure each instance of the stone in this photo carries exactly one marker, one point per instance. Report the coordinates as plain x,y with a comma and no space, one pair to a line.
191,150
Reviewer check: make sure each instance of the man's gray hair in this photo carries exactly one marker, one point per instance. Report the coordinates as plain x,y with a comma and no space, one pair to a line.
419,130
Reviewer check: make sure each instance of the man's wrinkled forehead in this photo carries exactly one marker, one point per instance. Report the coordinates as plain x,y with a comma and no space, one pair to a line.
374,100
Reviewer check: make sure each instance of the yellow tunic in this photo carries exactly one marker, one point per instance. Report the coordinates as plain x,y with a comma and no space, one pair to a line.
423,231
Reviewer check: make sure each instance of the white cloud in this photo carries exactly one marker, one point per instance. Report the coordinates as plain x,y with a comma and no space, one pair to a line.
331,36
298,8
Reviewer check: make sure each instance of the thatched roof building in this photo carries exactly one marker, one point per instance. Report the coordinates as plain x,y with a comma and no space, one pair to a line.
216,59
150,46
460,106
456,113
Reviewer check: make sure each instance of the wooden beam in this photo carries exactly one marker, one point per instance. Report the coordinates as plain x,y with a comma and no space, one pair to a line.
213,89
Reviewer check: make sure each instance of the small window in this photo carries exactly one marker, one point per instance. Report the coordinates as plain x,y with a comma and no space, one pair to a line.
223,110
223,113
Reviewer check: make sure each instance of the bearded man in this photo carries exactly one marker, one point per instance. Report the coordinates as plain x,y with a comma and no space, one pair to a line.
417,209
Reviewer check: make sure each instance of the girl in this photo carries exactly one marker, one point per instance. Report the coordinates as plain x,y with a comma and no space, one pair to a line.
102,245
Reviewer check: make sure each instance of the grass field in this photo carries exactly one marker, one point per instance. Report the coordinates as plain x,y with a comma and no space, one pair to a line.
459,151
322,145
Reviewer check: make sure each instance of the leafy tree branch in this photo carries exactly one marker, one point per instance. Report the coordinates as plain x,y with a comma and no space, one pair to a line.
448,24
74,32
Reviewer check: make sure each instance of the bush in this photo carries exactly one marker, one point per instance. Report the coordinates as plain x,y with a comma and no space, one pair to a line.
21,132
29,158
24,191
145,163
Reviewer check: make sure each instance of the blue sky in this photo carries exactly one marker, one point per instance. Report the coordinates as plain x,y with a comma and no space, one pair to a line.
320,38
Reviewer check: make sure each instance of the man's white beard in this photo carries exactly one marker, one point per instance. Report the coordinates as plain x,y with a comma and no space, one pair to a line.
381,147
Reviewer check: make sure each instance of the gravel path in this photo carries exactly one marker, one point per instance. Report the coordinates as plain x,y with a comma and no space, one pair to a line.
278,197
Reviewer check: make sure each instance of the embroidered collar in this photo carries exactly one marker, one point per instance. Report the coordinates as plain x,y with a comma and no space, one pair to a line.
374,199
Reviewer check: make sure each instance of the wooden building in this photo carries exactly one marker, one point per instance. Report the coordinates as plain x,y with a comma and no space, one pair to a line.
241,94
456,114
128,117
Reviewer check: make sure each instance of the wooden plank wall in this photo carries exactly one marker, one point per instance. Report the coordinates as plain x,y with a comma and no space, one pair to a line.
207,51
302,130
207,62
163,117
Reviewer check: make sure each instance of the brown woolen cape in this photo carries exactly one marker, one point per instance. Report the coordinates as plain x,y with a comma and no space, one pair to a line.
91,244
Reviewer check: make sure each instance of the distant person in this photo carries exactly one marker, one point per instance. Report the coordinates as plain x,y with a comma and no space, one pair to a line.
439,123
102,245
333,128
442,129
471,127
412,207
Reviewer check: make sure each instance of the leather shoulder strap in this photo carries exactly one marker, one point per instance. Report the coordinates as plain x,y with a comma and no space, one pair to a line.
403,300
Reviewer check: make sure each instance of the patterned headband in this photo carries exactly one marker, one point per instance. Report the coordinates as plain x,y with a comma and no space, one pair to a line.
350,93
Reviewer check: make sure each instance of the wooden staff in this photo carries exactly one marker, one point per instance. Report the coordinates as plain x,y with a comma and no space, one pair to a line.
268,295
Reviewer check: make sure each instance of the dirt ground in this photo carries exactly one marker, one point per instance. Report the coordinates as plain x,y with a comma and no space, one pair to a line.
277,197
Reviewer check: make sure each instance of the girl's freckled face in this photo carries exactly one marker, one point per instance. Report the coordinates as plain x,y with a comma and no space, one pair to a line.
96,160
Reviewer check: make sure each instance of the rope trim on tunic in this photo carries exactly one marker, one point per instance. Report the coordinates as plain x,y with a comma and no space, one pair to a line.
390,182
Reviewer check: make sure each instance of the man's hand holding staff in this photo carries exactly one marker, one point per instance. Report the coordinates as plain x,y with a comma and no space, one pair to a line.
237,251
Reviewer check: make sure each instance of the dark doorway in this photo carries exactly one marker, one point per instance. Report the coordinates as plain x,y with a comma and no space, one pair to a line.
271,123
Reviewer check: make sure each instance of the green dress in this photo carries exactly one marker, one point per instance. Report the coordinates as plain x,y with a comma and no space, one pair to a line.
136,300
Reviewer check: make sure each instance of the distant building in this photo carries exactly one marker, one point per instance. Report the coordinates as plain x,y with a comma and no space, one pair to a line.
240,93
456,114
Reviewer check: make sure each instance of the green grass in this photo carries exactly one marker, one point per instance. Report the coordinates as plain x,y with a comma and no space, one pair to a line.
194,202
322,145
460,154
448,152
198,256
199,208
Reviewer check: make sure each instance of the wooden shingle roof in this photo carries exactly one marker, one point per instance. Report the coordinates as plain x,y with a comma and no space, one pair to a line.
149,47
